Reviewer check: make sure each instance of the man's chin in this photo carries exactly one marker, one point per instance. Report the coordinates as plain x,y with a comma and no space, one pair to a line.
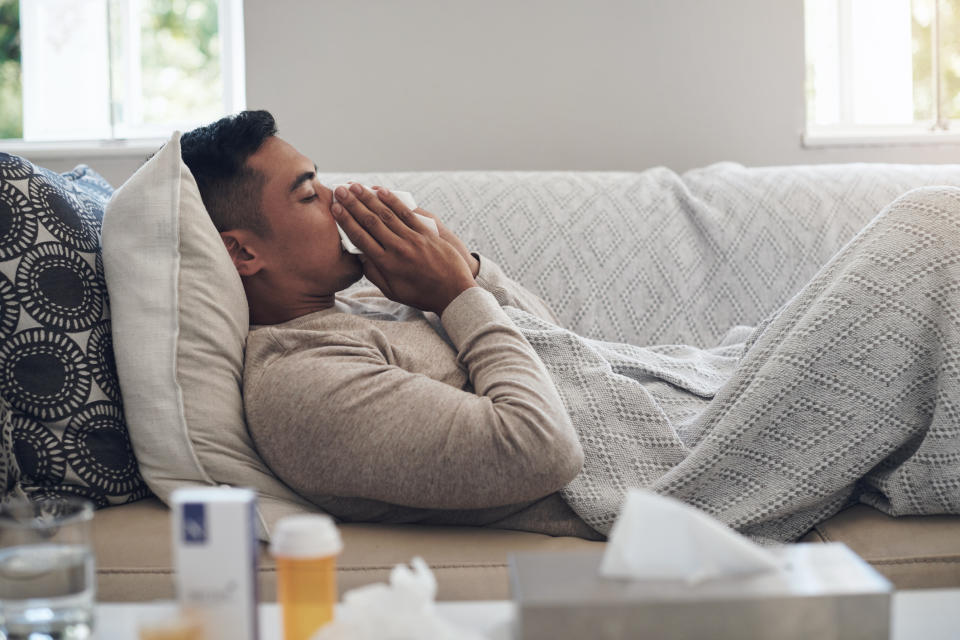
354,259
353,276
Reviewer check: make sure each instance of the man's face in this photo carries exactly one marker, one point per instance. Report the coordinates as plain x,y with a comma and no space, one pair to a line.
303,246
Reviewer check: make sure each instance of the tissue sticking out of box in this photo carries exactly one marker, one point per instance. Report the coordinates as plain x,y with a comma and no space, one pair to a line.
404,196
405,608
660,538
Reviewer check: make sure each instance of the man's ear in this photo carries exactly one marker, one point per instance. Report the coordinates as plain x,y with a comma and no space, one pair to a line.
243,252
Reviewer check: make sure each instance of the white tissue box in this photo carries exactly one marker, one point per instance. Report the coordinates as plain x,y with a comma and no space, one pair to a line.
826,591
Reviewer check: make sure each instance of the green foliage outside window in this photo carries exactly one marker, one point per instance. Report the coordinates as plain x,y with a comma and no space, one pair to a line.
923,80
181,61
11,86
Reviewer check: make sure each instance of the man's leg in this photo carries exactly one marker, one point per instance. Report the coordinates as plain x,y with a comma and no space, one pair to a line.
852,390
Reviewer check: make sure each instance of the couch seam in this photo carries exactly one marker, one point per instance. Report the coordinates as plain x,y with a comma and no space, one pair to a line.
167,572
823,534
384,567
934,560
159,572
433,566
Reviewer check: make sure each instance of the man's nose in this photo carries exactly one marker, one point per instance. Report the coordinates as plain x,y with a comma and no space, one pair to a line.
325,192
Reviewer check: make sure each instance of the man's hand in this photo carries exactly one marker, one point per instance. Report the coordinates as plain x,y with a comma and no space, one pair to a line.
450,237
400,255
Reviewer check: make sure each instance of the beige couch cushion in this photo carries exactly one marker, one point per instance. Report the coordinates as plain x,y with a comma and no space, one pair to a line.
132,546
913,552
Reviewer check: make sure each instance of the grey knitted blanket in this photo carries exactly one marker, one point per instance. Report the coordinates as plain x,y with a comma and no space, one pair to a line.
850,392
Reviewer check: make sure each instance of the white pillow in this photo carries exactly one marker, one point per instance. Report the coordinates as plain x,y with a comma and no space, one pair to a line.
180,322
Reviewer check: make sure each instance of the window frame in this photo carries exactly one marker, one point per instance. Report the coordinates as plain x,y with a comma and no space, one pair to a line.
230,26
938,132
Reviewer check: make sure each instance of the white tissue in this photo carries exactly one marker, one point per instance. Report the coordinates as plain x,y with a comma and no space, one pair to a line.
660,538
404,196
403,609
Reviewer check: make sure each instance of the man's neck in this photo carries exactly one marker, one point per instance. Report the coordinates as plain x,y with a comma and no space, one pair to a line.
269,305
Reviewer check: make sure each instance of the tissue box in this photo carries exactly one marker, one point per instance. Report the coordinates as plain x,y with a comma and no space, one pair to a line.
827,591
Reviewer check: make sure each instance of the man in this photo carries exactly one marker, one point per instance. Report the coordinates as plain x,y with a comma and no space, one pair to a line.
449,395
417,402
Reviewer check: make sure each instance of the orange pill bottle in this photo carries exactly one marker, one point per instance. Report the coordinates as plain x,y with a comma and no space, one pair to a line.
305,549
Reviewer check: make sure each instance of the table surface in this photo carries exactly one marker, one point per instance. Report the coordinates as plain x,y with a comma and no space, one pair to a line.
932,614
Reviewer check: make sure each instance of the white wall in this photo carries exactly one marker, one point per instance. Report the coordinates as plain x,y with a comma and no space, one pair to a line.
539,84
535,84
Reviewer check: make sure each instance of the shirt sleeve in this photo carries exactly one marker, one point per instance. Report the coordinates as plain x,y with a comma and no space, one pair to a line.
509,292
341,420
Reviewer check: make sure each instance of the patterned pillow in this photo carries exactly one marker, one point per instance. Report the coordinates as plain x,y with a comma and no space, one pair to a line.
56,350
9,470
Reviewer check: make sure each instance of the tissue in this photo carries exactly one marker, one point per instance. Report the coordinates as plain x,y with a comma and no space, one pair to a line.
660,538
404,196
405,608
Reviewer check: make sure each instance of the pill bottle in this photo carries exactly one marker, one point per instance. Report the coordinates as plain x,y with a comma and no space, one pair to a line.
305,548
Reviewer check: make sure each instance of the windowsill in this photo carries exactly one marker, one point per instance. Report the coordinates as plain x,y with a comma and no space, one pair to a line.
878,137
38,151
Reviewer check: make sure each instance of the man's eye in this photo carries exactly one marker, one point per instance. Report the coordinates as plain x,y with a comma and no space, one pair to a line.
309,198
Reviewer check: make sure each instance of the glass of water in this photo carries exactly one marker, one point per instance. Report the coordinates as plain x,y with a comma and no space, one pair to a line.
47,578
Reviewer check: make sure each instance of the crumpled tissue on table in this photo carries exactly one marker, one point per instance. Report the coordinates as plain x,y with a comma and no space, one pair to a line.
404,609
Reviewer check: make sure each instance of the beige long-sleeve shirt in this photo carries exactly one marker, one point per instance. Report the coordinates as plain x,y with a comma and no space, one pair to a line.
375,411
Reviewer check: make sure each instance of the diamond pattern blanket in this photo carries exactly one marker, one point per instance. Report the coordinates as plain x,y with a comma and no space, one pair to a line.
849,392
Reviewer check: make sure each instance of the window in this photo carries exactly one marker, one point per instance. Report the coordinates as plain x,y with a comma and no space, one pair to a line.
883,69
117,69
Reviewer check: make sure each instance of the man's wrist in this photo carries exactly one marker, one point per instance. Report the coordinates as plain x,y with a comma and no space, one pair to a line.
457,293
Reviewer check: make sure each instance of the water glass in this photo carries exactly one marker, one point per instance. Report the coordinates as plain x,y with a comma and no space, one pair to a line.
46,570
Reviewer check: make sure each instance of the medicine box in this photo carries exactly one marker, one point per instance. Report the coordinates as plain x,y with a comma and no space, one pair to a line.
215,559
825,591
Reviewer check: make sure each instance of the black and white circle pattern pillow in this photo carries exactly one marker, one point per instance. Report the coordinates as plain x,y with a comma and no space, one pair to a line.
56,353
9,470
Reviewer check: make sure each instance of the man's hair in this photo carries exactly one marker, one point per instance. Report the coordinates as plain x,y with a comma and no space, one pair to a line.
216,155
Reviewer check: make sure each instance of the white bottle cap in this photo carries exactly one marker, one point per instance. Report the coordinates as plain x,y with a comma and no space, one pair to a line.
306,536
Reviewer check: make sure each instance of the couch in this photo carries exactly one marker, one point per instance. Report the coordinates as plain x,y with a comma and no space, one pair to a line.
594,246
